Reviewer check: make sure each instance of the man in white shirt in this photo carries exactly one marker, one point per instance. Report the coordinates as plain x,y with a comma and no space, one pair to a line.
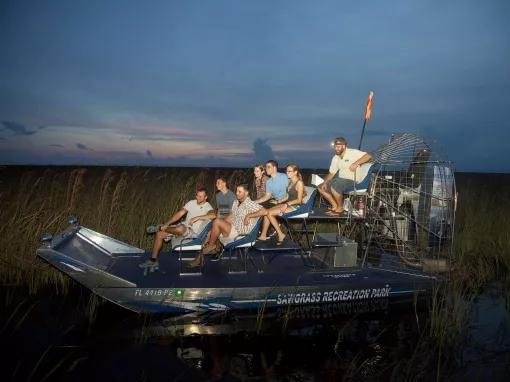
196,212
346,163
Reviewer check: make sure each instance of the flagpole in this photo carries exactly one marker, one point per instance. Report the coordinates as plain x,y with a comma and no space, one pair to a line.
362,133
368,114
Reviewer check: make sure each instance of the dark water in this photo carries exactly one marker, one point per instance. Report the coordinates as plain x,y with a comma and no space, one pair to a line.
52,338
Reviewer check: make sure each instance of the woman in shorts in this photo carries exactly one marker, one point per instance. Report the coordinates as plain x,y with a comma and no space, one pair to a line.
290,202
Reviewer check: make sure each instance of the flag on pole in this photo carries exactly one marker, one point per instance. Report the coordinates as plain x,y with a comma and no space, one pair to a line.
368,108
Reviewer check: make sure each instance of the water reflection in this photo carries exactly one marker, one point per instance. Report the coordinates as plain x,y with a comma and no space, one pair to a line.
343,341
324,342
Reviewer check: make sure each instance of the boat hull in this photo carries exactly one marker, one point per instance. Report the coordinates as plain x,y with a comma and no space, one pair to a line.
243,281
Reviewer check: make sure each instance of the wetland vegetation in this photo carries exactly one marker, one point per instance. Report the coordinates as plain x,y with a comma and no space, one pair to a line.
121,202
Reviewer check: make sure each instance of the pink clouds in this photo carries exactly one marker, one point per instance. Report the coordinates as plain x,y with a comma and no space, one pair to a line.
149,132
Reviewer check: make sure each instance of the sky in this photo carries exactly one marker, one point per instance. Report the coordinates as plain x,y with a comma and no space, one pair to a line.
233,83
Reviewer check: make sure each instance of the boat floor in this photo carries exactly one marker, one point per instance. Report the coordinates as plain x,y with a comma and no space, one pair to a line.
256,269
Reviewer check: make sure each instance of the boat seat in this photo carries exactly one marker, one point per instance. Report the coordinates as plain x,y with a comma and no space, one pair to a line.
181,243
362,187
304,209
244,241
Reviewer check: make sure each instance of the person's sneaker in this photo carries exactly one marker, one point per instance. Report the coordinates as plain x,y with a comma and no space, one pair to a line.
149,264
153,228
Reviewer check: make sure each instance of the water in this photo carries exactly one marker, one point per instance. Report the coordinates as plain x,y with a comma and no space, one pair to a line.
51,338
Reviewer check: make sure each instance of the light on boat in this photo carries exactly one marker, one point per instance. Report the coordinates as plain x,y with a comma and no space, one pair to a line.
72,220
46,238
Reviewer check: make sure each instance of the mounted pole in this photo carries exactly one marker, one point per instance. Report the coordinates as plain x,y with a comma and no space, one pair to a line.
368,114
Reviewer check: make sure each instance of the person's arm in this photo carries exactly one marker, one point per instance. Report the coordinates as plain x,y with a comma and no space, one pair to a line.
324,184
174,219
208,216
261,212
265,198
212,214
364,159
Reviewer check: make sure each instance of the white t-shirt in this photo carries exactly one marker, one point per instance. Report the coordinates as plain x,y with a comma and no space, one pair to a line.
195,209
342,165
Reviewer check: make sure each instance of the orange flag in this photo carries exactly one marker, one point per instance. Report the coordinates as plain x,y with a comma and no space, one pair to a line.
368,108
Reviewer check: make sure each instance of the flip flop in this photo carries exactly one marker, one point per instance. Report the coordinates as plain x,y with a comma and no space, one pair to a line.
334,213
280,242
266,239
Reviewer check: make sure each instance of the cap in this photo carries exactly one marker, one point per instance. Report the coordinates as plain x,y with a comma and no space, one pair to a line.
340,140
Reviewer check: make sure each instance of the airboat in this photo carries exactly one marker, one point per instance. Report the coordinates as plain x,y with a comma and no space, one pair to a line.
393,244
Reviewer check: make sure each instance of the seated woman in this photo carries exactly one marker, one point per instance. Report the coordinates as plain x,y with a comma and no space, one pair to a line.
260,180
293,199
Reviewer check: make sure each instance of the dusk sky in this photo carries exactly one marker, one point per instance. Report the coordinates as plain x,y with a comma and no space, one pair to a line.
230,83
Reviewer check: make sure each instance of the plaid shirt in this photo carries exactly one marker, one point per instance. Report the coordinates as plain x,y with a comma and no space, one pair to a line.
239,211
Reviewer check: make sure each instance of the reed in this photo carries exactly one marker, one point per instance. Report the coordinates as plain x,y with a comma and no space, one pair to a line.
121,202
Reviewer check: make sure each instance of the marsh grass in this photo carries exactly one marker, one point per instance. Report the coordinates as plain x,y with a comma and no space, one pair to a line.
121,202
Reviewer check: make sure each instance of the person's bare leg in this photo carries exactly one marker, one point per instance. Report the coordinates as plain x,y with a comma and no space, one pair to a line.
339,200
265,227
329,198
274,221
220,226
162,235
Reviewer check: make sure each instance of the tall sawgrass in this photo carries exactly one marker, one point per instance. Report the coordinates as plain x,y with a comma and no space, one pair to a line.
119,202
482,234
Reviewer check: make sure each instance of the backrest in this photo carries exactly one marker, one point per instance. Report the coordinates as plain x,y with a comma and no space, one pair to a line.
310,196
248,238
201,236
306,207
363,171
256,228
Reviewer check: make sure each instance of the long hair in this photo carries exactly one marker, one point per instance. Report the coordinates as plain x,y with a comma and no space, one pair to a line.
295,167
261,167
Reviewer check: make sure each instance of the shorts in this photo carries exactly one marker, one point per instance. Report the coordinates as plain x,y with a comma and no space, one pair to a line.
341,185
231,236
188,233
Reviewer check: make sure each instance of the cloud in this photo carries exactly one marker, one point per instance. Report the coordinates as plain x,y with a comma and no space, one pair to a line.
262,150
164,133
83,147
2,139
17,128
149,154
56,145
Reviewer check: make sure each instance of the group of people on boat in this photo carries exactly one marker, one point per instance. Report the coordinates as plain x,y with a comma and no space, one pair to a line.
275,194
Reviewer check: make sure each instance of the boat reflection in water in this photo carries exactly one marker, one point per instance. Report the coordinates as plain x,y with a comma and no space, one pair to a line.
314,342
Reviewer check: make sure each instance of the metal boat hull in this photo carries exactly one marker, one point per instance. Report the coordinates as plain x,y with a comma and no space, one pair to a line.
249,280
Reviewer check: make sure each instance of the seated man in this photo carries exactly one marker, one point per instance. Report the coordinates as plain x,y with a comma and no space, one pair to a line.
239,222
197,215
276,186
346,162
